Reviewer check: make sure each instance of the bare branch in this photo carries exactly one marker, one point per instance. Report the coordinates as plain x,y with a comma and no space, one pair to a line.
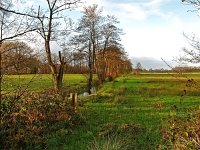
17,13
17,35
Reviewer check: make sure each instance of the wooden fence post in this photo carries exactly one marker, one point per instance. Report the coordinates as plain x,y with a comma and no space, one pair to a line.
74,99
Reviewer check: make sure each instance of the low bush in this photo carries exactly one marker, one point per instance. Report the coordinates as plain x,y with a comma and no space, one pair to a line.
27,120
182,134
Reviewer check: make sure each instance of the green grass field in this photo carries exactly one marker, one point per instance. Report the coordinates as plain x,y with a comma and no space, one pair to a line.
38,82
132,110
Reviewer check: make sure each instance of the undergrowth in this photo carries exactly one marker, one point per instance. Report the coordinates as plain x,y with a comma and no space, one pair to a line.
27,121
182,134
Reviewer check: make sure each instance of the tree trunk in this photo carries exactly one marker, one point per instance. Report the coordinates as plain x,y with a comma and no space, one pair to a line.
57,79
102,66
89,84
54,78
60,73
101,69
1,74
57,74
90,65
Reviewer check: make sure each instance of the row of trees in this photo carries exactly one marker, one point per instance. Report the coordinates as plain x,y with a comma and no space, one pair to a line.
93,47
98,37
19,58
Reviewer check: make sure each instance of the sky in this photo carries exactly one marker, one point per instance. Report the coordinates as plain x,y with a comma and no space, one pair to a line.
153,28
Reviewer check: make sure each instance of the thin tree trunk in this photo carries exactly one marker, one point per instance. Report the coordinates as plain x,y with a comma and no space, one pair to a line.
89,85
57,79
54,79
60,73
1,74
89,81
102,66
52,68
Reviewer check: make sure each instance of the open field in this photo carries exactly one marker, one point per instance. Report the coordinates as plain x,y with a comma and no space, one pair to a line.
132,110
128,113
38,82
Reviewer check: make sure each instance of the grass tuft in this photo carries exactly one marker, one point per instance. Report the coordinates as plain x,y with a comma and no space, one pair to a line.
108,143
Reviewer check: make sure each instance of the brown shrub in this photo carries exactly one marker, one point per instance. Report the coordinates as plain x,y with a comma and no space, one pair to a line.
26,121
182,134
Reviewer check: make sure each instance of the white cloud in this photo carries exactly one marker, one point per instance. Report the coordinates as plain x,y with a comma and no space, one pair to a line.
130,11
153,42
156,3
135,10
90,2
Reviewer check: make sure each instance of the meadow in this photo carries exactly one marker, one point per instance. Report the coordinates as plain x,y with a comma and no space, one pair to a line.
37,82
131,112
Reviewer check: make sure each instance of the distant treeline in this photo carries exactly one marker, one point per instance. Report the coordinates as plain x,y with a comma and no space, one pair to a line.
184,69
19,58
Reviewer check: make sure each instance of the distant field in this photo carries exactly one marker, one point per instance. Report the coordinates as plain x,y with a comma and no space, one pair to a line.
152,74
37,82
41,81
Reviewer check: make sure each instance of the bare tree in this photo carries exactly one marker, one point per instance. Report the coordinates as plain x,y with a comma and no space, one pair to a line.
50,28
88,36
195,3
12,23
46,20
192,54
110,37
